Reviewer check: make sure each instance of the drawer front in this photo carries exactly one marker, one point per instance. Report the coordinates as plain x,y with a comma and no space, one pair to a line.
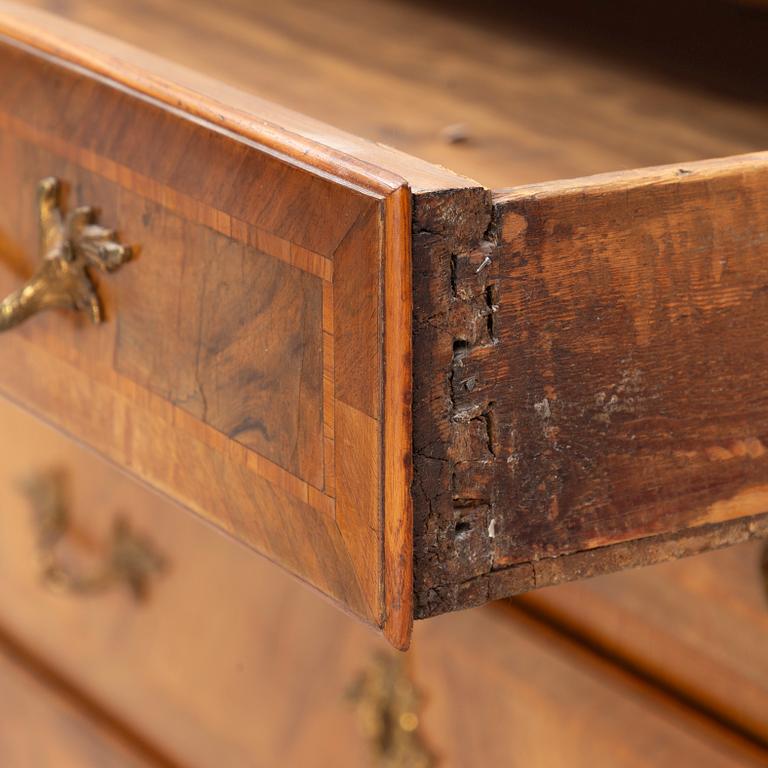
507,691
227,661
241,365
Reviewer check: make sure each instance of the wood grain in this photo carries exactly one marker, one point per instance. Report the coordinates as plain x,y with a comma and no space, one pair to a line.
221,374
245,352
575,116
505,94
506,689
230,662
321,145
42,728
605,344
699,625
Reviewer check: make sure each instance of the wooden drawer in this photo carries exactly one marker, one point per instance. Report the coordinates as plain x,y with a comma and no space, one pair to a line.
242,369
227,661
414,392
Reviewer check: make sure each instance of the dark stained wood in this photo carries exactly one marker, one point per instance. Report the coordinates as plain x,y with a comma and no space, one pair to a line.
699,625
230,662
244,353
228,374
602,344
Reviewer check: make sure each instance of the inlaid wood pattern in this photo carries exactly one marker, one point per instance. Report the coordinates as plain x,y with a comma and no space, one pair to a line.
246,344
241,367
229,662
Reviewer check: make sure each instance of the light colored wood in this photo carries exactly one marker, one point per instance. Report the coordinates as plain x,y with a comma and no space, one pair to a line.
40,727
507,691
230,662
398,395
700,625
319,145
507,95
230,384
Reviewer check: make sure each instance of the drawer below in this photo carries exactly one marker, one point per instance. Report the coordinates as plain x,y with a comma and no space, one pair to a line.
700,625
42,728
216,664
228,661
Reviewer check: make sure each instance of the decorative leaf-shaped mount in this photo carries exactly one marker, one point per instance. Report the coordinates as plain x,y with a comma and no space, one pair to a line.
69,246
130,560
388,705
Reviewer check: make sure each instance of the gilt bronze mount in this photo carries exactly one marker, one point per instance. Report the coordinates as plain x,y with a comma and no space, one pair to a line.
70,244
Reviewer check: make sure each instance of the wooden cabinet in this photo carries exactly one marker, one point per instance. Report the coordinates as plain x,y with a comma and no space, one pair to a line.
414,391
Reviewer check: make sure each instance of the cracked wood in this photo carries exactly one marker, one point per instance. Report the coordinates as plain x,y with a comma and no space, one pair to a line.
588,376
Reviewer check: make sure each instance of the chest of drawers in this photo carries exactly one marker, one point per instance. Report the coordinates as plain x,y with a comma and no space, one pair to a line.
416,392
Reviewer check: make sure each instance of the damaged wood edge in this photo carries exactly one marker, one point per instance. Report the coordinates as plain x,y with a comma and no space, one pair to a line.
453,315
601,561
455,425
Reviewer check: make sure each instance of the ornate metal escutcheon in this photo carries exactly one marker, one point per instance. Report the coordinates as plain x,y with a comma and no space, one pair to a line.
69,246
387,707
130,560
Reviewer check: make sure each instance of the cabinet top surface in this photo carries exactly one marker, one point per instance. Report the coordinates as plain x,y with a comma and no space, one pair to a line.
503,97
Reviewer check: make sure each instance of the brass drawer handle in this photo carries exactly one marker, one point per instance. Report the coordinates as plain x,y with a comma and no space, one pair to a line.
387,706
130,561
69,245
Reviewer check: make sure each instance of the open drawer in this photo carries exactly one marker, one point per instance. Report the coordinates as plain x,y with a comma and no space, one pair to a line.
413,393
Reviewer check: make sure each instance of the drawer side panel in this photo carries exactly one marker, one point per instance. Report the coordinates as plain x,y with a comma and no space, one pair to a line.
604,346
